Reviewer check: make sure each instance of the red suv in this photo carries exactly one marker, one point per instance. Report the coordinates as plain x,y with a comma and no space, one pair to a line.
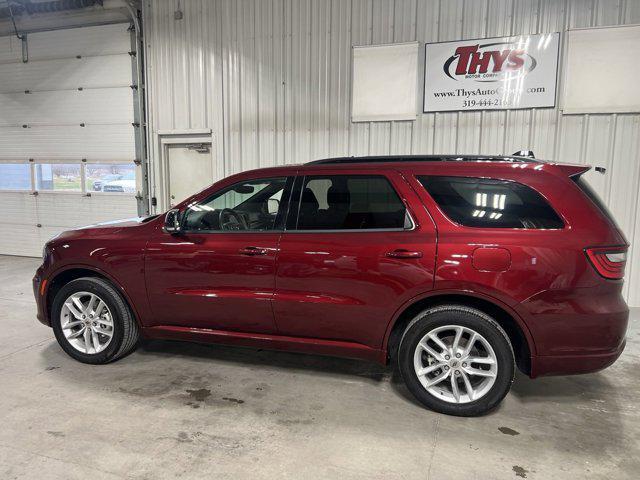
458,268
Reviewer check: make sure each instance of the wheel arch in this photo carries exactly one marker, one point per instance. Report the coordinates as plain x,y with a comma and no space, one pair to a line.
509,320
72,272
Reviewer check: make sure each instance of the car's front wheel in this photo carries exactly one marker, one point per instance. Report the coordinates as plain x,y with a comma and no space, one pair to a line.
92,322
456,360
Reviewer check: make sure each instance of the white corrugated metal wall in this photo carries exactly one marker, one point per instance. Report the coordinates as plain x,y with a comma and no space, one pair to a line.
271,78
69,107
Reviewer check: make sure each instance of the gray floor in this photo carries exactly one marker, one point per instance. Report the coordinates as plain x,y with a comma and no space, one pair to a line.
175,410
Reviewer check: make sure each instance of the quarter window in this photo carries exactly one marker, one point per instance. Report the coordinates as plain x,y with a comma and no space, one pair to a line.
342,202
251,206
485,203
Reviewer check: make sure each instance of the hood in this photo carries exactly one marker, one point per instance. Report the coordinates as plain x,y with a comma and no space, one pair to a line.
101,229
127,222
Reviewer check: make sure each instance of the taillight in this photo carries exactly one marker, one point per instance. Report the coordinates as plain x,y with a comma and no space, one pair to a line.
609,262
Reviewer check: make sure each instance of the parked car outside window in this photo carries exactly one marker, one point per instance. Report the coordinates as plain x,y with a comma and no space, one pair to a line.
126,184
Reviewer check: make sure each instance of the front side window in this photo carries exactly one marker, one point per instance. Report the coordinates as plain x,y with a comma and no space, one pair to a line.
486,203
245,206
350,202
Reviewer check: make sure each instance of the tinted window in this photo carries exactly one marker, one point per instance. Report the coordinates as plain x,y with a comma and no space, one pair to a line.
342,202
595,198
251,205
479,202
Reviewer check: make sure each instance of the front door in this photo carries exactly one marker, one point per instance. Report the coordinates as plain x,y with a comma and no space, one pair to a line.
354,251
219,272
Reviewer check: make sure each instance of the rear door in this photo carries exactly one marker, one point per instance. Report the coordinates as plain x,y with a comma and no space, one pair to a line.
355,250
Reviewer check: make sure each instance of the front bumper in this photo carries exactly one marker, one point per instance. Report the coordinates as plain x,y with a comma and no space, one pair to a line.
39,292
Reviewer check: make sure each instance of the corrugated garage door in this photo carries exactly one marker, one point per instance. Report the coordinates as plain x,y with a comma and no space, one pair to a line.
67,140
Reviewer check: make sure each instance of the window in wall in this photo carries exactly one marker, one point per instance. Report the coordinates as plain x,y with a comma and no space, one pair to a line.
15,176
344,202
251,205
58,177
479,202
117,178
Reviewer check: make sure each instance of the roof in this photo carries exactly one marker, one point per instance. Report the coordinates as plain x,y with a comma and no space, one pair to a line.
395,161
423,158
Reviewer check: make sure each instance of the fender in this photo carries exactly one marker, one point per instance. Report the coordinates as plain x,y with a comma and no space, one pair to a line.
51,277
469,293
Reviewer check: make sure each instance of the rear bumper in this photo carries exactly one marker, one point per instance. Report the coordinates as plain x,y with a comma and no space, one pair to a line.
579,330
574,364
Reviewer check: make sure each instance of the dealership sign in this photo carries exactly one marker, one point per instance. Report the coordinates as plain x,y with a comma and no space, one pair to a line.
491,73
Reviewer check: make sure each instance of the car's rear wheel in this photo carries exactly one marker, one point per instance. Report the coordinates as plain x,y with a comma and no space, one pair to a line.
456,360
92,322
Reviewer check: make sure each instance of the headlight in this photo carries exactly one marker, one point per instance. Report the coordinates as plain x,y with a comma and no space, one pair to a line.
46,251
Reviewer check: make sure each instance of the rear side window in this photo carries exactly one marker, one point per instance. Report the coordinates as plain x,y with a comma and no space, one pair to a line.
350,202
595,198
486,203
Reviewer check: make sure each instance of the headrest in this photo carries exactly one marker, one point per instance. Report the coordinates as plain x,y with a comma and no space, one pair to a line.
338,197
309,199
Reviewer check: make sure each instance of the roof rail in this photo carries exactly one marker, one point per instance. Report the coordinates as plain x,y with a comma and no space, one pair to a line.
423,158
524,153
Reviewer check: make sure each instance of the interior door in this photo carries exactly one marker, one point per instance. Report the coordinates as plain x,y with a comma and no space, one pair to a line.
354,251
190,170
219,272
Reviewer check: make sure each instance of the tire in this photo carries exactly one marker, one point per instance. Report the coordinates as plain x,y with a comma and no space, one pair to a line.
488,367
116,315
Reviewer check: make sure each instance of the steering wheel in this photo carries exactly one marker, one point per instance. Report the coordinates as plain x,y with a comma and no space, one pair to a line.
231,220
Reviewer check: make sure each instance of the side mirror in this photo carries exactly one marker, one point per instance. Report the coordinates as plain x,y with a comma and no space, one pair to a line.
172,221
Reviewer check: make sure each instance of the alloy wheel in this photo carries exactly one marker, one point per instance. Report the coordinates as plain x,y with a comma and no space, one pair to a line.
455,364
86,322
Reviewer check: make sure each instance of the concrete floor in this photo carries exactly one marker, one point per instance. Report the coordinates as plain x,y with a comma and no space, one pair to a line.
177,410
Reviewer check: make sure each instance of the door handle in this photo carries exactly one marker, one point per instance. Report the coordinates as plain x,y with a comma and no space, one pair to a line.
404,254
253,251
